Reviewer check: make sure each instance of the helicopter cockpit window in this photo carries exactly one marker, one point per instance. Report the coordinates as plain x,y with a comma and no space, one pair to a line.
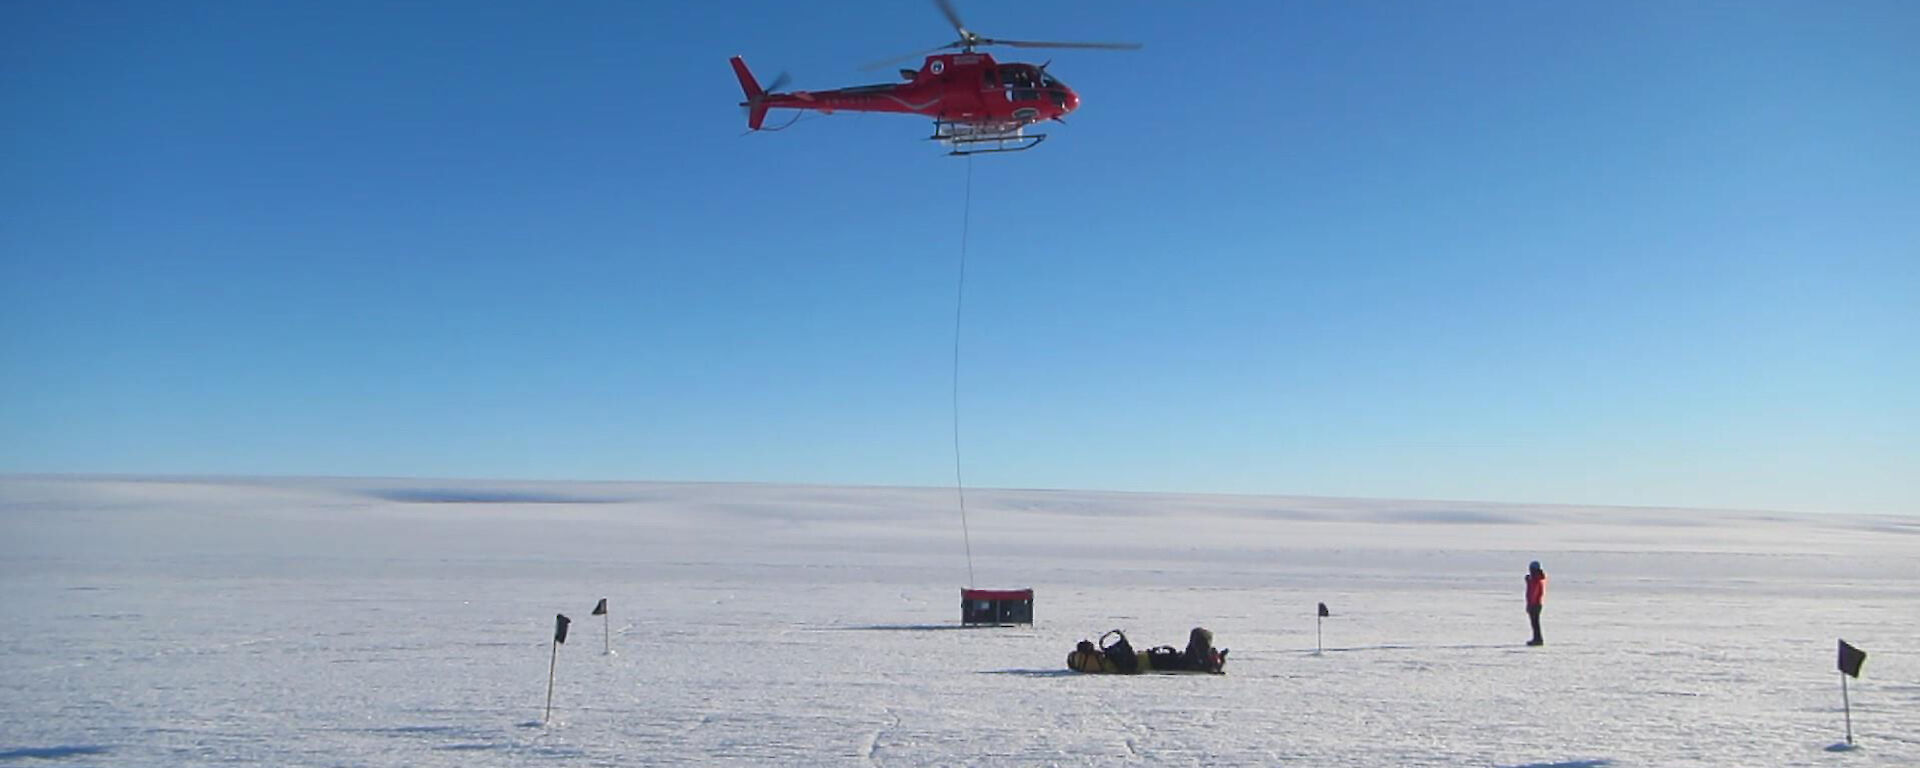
1047,81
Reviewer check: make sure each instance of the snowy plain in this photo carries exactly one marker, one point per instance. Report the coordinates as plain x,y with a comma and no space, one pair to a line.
395,622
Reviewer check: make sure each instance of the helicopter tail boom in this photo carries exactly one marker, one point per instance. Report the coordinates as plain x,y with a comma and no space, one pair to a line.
756,102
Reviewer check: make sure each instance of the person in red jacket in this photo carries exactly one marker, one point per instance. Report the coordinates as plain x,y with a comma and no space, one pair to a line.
1536,595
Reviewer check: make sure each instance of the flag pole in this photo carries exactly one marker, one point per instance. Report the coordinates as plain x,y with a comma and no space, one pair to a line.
560,622
551,664
1850,660
606,626
1847,705
1319,618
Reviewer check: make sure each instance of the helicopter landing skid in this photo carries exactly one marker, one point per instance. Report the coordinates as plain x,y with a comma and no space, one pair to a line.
977,139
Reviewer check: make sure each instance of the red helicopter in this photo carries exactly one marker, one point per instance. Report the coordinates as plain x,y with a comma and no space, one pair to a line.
977,104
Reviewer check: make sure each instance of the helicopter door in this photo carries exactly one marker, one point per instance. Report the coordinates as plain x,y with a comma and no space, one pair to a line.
1018,82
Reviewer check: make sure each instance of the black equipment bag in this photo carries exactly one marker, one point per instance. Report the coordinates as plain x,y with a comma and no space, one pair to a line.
1120,653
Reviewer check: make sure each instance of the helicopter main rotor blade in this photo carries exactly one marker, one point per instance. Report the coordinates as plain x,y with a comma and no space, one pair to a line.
970,39
953,17
884,63
1052,44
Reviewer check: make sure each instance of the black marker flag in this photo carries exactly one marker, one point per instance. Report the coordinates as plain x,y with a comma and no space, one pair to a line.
601,609
560,622
1850,660
1323,611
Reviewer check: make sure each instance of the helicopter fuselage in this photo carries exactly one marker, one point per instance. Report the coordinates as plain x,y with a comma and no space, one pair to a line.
966,88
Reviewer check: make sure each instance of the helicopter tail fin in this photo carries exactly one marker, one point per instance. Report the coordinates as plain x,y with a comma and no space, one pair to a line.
756,98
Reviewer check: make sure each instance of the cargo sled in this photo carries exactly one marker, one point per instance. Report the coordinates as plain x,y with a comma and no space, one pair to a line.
1115,656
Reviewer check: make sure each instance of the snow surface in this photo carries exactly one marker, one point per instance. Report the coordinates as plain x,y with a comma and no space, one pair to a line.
169,621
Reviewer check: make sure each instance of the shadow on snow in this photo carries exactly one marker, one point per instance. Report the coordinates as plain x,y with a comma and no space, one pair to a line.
1029,672
1401,647
907,627
1601,763
48,753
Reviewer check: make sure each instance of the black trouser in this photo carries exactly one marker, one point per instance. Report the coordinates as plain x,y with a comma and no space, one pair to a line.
1533,615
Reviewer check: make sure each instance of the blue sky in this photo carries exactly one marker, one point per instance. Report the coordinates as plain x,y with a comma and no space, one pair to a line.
1618,253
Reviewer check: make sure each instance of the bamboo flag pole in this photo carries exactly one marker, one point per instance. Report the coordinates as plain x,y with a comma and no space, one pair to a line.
1850,660
1318,646
606,626
1847,705
560,622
